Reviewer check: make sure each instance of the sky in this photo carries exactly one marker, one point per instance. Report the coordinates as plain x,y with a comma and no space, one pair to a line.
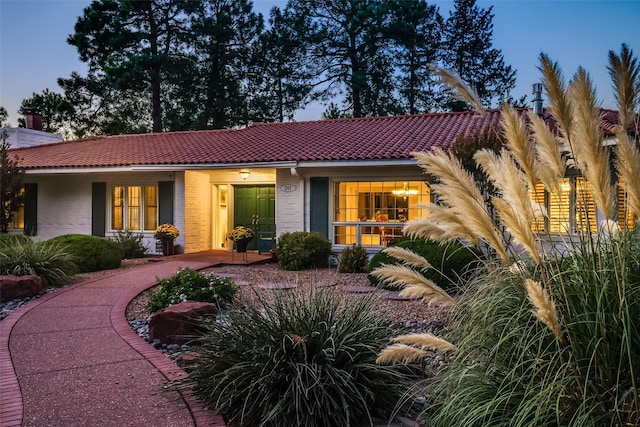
34,52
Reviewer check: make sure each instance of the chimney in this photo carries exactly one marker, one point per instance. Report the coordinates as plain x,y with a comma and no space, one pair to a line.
537,98
33,119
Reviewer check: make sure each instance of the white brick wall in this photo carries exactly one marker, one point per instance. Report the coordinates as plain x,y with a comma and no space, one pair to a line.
289,204
197,202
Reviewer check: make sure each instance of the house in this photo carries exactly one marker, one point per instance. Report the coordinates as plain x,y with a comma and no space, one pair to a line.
352,180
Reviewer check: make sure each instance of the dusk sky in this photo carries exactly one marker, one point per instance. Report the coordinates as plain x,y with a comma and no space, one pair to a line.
34,52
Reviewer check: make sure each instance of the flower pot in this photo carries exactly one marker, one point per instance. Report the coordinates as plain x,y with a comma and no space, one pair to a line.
241,245
167,247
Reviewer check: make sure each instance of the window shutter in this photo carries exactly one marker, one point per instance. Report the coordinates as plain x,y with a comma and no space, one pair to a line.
98,208
30,209
165,202
319,215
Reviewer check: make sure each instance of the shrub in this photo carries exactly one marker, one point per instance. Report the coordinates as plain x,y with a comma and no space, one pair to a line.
302,249
451,262
45,259
190,285
303,360
10,239
91,253
130,243
353,259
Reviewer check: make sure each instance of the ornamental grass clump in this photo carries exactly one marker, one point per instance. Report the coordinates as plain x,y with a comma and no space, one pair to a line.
549,333
301,360
49,260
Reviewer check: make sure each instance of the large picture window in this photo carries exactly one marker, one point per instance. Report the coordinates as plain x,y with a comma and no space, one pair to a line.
374,212
134,208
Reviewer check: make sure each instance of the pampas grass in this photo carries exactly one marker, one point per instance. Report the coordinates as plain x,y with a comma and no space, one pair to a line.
551,166
408,257
457,88
591,155
545,308
425,341
413,284
400,353
460,195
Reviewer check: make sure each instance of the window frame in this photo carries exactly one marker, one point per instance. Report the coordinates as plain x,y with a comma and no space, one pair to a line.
354,228
143,208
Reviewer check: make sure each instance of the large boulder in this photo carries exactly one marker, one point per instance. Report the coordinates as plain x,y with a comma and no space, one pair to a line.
179,323
18,287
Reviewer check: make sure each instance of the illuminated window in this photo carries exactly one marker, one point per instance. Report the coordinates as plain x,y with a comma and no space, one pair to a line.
134,206
18,216
363,202
574,209
626,217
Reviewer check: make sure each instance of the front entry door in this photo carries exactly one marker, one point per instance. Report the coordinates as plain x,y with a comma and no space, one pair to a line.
255,207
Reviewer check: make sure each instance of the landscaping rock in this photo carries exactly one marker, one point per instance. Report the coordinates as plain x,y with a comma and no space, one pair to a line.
16,287
178,323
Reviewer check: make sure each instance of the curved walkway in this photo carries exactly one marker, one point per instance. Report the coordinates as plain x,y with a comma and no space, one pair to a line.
70,358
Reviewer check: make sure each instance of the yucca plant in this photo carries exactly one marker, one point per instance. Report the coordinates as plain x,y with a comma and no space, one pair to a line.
48,260
302,360
550,334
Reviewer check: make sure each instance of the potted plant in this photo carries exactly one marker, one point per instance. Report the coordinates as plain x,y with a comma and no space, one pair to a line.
241,236
166,233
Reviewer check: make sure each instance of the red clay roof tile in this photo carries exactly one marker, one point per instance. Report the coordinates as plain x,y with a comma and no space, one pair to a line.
376,138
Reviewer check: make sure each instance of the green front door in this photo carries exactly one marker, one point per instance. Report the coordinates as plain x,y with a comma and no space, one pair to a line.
255,207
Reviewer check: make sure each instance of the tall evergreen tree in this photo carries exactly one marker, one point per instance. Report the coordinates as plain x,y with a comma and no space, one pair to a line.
468,51
280,71
417,31
131,46
226,30
348,45
54,108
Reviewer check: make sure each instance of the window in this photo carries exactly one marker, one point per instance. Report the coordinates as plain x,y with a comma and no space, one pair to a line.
574,209
135,206
18,216
626,217
357,204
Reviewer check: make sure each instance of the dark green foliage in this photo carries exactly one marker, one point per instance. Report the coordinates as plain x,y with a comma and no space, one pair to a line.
468,51
303,360
11,239
190,285
20,257
91,253
450,261
130,243
302,249
353,259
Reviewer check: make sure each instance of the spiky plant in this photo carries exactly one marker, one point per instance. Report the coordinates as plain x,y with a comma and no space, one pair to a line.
303,360
551,337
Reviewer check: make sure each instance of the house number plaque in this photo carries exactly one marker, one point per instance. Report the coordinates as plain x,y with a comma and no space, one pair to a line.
288,188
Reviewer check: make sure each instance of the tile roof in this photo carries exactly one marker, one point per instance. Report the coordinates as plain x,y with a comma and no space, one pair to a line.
372,138
376,138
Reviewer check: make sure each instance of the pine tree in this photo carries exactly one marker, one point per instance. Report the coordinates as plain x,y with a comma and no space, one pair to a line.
469,52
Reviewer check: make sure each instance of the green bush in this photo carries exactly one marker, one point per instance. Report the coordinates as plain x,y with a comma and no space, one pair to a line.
10,239
450,261
45,259
302,250
190,285
91,253
302,360
353,259
130,243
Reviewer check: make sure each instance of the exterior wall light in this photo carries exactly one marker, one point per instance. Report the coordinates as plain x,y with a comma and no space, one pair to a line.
244,174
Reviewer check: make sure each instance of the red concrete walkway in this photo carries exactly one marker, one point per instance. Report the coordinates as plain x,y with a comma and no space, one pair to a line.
70,358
